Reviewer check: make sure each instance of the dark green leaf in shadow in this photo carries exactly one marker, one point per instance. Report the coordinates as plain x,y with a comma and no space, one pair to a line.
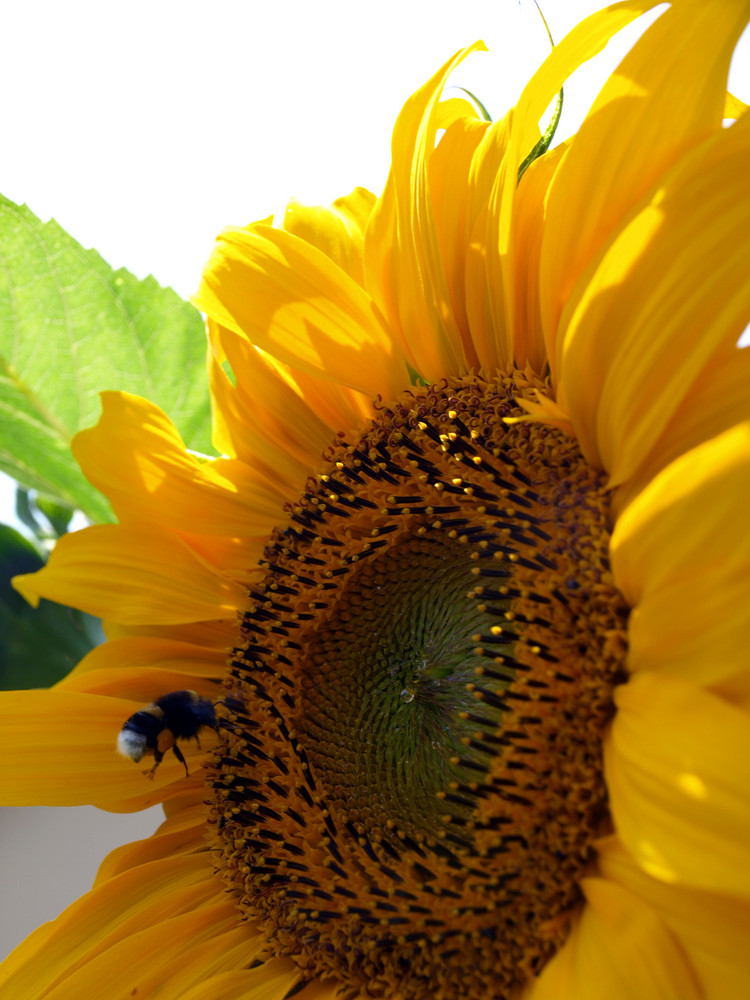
38,646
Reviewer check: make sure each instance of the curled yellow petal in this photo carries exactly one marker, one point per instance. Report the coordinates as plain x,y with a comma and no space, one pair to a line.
290,299
132,575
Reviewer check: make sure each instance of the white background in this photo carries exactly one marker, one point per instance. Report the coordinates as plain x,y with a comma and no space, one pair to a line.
146,127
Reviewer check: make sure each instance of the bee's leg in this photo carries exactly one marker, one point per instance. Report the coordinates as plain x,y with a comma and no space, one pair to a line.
158,758
178,754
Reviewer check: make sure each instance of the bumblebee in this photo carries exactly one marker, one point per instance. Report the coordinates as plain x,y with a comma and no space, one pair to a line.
156,728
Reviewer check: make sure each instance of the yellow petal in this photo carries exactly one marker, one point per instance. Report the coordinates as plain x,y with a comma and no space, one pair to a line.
144,652
217,635
734,107
543,409
487,306
677,766
132,575
716,401
586,40
712,929
277,421
106,915
328,990
449,173
183,832
31,946
339,407
141,685
402,246
234,432
664,299
136,457
236,558
618,949
680,555
292,301
271,981
667,94
528,229
168,957
59,749
338,230
496,267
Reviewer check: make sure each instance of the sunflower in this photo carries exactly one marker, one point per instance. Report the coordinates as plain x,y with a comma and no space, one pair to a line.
468,587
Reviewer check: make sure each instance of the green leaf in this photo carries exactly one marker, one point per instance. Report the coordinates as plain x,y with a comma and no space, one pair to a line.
38,646
71,326
56,516
549,133
59,515
25,511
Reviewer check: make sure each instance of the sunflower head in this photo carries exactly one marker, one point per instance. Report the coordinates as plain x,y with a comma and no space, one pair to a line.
465,595
419,700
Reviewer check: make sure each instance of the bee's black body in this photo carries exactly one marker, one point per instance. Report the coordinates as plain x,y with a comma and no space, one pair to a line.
156,728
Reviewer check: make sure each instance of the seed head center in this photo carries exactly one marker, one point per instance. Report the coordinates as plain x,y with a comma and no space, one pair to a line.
412,778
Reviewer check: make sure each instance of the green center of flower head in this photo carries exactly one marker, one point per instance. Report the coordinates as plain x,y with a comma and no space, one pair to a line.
389,697
411,782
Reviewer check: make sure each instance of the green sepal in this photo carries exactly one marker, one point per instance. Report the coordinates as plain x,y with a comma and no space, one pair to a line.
544,143
473,99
